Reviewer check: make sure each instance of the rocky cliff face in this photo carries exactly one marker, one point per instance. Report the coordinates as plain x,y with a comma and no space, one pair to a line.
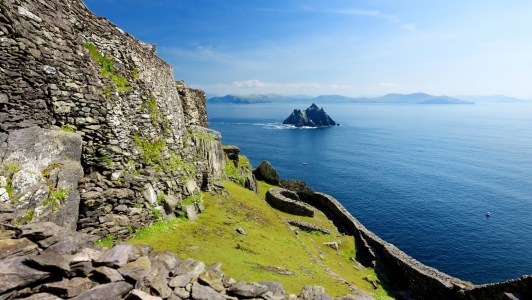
145,148
310,117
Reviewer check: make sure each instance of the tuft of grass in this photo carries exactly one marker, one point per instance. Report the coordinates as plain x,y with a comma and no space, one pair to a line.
269,251
135,73
107,241
29,216
107,70
157,155
68,128
195,198
56,197
156,213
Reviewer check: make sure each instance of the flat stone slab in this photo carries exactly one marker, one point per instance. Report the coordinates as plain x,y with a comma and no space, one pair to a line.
17,247
115,290
15,274
69,288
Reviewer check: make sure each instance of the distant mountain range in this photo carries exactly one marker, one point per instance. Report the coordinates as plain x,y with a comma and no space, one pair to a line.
492,99
415,98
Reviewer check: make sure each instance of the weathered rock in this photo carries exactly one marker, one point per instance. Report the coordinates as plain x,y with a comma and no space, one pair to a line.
333,245
140,295
266,172
15,274
17,247
68,288
180,281
213,277
86,254
105,274
182,293
140,250
41,296
50,261
190,267
164,260
247,290
201,292
190,211
310,117
48,171
232,153
137,269
241,231
309,292
114,290
117,256
159,284
276,288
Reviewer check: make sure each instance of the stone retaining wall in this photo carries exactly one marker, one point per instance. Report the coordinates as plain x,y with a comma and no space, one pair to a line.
287,201
405,274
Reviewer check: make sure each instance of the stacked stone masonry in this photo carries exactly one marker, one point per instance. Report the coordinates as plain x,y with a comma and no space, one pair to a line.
62,66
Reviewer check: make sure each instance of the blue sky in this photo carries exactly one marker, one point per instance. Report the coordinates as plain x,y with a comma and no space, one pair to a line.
353,48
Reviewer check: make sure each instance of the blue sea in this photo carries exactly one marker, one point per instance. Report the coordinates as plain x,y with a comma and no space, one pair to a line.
420,176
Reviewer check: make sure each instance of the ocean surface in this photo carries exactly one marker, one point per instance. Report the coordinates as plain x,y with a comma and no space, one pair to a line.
420,176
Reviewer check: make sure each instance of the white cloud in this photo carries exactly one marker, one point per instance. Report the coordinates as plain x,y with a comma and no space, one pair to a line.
389,84
255,86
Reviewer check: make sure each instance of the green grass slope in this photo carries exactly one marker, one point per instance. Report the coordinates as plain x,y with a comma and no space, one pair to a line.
270,250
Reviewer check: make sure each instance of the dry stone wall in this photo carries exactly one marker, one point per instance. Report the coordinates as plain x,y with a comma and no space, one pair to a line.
63,66
404,274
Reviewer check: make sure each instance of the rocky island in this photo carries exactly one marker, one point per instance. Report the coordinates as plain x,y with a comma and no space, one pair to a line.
112,186
310,117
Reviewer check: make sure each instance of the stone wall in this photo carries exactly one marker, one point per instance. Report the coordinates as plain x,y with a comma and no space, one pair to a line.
194,105
288,202
403,273
63,66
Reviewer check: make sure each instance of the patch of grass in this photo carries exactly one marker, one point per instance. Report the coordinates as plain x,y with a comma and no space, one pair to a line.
135,73
107,241
46,172
56,197
156,213
232,171
160,198
200,135
244,162
269,251
29,216
107,70
68,128
10,168
157,155
106,159
195,198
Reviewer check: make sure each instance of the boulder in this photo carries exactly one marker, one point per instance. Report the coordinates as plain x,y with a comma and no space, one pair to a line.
213,277
68,288
17,247
310,292
247,290
116,256
137,269
44,169
201,292
267,173
114,290
15,274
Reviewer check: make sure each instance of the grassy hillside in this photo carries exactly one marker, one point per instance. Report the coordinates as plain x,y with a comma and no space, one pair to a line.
271,249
